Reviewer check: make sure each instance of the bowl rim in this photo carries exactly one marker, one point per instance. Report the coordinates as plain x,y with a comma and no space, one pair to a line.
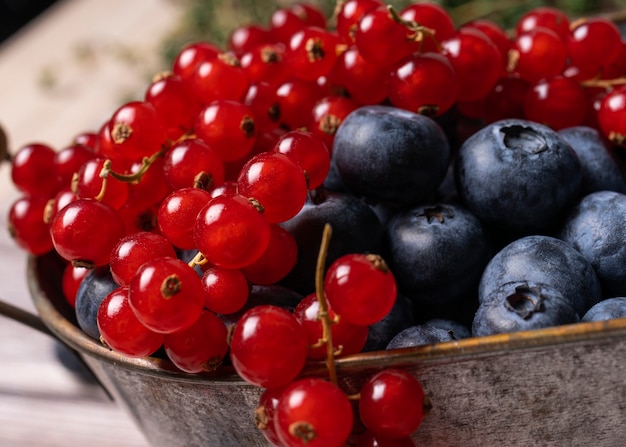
411,358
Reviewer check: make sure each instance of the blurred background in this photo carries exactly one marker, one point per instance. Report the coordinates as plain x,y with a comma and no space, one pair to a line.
213,19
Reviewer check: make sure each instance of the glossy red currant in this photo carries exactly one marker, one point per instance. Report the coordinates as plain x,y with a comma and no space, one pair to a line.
360,288
268,346
121,330
166,295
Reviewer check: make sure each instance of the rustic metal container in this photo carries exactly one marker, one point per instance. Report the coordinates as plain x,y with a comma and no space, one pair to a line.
564,386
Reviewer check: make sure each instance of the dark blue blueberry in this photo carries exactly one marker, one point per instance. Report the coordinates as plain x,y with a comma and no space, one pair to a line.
399,318
596,227
437,253
457,329
390,155
333,180
607,309
355,229
518,176
418,335
600,170
543,260
94,287
273,294
520,306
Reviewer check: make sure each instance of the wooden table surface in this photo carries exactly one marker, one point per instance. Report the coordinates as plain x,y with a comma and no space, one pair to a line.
64,74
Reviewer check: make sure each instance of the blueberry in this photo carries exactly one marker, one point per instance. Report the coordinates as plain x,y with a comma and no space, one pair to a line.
437,253
522,305
596,228
457,329
273,294
543,260
355,229
390,155
94,287
600,171
418,335
607,309
399,318
518,176
333,180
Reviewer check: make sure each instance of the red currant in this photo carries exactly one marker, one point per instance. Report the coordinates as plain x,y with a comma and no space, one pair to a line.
135,249
594,42
360,288
231,231
27,226
550,102
85,232
536,54
89,183
227,290
347,338
166,295
276,261
228,128
268,346
193,163
381,39
32,170
392,404
264,413
424,83
177,215
476,60
246,37
349,14
200,347
175,103
612,115
276,182
71,280
433,16
121,330
311,53
137,131
219,78
313,412
69,159
192,55
545,17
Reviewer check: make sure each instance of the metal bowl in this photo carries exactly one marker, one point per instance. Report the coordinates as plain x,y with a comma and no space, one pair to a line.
562,386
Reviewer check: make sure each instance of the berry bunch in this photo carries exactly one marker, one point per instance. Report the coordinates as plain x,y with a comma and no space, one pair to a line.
217,187
356,291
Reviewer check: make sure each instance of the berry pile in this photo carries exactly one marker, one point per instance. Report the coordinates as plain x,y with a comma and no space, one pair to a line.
196,221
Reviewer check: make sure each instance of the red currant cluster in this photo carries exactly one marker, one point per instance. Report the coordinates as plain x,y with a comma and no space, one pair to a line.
356,291
549,64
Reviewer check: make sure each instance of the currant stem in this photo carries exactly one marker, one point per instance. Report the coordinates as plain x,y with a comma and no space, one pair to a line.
604,83
145,165
198,259
323,314
107,171
420,32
